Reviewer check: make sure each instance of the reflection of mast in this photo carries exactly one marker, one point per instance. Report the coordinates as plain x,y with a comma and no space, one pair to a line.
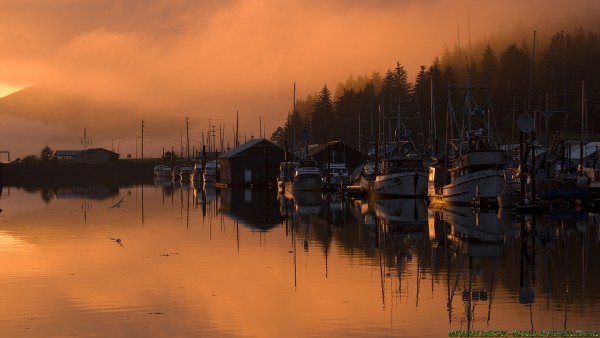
142,204
418,276
491,296
526,294
327,232
566,287
448,267
84,206
203,194
381,267
293,229
470,307
237,234
187,222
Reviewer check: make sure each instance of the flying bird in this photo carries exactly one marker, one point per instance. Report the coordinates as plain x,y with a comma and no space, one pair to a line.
118,205
117,240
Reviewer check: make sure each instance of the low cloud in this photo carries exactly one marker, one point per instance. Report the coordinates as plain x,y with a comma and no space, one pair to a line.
167,60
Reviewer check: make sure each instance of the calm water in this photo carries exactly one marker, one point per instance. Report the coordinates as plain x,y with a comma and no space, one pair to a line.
180,261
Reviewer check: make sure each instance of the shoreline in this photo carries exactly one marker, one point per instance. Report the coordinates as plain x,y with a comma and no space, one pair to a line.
58,173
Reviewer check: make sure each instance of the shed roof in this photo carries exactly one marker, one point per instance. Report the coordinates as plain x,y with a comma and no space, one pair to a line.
80,152
243,147
68,152
588,149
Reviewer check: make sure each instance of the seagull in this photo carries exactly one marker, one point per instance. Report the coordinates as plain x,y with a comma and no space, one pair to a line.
118,205
117,240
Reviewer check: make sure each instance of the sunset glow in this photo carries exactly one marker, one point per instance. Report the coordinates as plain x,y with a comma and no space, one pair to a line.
160,61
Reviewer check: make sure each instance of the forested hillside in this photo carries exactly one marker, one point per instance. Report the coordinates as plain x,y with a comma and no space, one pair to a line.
562,83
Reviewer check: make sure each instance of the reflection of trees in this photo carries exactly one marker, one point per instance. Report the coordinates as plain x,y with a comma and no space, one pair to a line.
557,266
48,194
31,189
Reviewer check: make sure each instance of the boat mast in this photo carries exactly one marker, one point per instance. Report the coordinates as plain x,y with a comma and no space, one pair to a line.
433,140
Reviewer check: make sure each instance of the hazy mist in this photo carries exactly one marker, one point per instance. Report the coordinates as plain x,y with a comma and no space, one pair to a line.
161,60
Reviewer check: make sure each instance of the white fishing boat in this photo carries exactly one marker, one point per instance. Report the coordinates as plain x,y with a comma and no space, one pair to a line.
307,175
402,176
363,176
336,174
210,172
196,175
162,172
473,172
185,172
160,169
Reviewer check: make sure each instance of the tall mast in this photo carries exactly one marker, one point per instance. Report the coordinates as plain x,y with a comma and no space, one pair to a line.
433,142
187,134
294,122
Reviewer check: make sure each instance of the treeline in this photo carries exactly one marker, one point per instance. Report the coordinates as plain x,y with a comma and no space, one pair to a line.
563,86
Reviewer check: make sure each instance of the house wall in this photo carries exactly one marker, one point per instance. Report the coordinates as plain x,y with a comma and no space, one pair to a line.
262,161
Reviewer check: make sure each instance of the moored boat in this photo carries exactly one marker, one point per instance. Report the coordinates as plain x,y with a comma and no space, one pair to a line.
185,172
286,174
336,174
158,170
196,175
402,176
473,170
307,175
210,172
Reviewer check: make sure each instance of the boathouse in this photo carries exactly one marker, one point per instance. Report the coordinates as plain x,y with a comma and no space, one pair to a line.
337,151
254,163
94,155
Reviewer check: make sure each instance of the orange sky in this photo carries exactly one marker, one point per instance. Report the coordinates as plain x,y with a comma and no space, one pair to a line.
209,59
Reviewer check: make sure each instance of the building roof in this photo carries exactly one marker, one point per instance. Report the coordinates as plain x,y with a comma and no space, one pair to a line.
68,152
332,144
80,152
243,147
588,149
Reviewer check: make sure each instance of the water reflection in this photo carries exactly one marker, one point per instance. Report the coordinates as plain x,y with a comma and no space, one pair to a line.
254,208
388,267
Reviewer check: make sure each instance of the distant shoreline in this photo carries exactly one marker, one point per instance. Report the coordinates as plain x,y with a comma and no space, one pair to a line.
58,173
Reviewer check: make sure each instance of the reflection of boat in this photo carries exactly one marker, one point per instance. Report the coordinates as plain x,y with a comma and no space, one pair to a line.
210,172
307,202
476,233
90,192
307,176
363,176
185,172
362,213
286,173
209,190
401,214
196,175
162,171
159,169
